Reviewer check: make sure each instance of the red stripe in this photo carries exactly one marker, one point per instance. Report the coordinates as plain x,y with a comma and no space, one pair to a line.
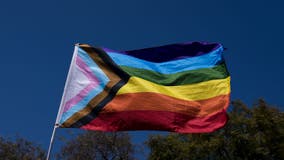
157,120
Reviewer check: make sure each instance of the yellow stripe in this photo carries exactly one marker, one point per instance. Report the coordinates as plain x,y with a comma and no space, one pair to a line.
197,91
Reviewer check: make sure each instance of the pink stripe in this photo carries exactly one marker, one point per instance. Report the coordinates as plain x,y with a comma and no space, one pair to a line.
83,93
73,101
85,69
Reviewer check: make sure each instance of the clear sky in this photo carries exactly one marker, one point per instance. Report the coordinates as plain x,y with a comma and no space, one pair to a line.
37,40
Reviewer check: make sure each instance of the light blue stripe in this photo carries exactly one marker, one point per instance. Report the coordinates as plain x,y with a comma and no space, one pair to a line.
204,61
103,80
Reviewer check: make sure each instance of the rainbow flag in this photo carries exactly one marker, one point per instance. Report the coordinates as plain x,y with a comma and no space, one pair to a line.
181,88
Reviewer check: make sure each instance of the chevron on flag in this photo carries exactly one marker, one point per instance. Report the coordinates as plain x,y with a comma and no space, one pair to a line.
181,88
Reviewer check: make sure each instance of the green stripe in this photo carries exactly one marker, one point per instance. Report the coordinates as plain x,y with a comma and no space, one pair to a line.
181,78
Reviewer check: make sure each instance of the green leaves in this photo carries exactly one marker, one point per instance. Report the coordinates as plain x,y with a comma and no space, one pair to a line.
20,149
98,145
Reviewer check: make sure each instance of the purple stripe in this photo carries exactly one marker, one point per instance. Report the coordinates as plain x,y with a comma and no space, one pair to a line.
171,52
110,50
83,93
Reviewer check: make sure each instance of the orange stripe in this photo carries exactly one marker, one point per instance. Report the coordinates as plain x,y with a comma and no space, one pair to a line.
159,102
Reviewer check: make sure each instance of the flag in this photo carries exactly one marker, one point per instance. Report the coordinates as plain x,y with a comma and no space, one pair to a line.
181,88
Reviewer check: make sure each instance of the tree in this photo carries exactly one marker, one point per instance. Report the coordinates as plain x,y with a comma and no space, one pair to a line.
20,149
98,145
251,133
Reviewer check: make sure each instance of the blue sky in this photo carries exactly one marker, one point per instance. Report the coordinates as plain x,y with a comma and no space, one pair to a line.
37,40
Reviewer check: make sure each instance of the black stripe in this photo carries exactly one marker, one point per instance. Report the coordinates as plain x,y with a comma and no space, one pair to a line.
114,68
106,58
94,113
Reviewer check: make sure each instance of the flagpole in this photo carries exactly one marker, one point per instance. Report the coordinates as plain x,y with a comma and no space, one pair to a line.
51,142
56,125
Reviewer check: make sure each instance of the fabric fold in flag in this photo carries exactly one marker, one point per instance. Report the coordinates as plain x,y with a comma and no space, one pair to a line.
181,88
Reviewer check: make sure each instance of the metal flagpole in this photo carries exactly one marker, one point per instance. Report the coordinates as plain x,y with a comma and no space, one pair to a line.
51,142
61,104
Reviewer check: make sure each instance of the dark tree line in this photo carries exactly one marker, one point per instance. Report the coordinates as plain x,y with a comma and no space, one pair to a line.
98,146
20,149
252,133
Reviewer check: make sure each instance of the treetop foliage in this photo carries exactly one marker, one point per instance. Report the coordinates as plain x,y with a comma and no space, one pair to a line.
98,145
20,149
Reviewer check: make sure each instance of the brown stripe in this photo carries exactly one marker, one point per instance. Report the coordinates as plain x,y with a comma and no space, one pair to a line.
159,102
93,103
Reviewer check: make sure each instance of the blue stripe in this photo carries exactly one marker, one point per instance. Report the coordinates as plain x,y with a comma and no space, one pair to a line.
103,80
204,61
